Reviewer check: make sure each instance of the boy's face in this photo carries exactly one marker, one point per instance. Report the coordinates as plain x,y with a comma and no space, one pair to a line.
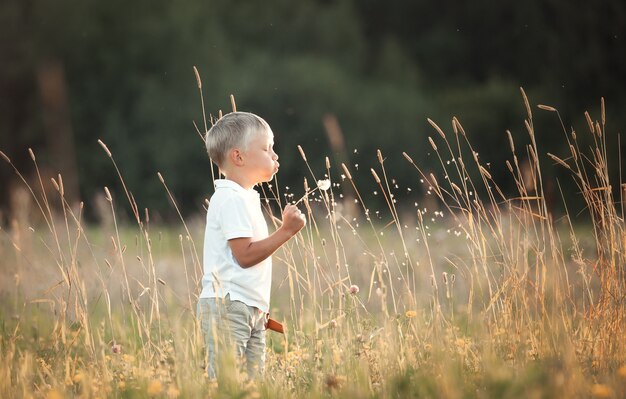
261,162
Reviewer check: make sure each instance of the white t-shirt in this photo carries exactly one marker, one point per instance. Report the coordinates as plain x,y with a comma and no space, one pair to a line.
235,212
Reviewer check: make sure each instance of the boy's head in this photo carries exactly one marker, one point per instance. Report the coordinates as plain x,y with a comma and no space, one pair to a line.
243,140
233,130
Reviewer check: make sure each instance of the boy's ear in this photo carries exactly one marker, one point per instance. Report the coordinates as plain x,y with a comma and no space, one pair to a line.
236,156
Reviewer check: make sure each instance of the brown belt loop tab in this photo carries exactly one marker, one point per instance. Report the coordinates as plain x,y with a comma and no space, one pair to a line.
274,325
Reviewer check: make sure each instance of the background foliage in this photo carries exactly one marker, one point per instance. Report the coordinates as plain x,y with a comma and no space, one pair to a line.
381,68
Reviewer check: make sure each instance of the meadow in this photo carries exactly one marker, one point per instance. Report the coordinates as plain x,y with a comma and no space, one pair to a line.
467,292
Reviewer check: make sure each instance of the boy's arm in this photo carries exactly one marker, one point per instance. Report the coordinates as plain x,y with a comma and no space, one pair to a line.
249,253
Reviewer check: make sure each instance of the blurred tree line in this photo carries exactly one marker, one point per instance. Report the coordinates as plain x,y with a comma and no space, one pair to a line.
360,74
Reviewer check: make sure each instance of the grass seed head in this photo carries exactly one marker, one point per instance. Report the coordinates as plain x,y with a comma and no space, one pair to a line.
302,153
107,194
346,171
408,158
198,80
546,108
5,157
432,143
105,148
511,143
437,128
375,175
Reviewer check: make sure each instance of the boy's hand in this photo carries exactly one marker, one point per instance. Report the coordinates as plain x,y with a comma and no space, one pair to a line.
293,219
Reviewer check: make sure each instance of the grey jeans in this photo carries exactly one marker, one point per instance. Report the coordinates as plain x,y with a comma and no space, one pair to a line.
237,327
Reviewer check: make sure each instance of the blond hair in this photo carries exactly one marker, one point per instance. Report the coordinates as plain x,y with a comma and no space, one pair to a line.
233,130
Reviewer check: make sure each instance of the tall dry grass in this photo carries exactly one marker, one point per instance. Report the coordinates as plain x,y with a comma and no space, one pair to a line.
478,294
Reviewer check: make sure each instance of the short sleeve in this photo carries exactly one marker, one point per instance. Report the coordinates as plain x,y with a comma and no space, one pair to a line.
234,219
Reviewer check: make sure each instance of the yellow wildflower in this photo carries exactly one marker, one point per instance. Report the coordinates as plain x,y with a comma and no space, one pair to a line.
601,391
78,377
155,387
172,391
410,313
54,395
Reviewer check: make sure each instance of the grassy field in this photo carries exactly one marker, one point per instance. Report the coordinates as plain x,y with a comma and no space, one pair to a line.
466,293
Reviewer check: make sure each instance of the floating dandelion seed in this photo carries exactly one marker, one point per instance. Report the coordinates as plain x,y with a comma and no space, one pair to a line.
322,185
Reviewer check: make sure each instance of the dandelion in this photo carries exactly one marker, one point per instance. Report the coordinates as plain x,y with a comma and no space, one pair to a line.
410,314
323,184
354,289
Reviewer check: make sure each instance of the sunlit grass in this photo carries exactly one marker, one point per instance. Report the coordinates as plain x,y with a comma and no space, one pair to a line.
463,292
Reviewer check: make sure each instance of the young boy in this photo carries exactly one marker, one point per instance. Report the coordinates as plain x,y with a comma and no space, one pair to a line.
234,302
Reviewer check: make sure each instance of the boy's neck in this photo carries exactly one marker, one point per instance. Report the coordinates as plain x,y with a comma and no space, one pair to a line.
239,179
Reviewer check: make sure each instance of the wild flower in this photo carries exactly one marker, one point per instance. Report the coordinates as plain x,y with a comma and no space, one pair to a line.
601,391
155,387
